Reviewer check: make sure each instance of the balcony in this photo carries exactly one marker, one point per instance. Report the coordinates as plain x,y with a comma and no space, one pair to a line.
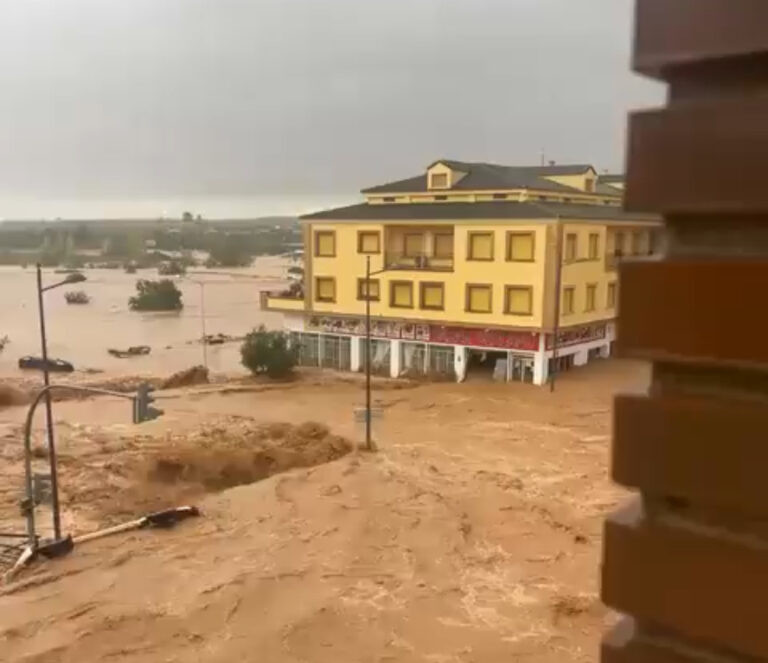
281,301
421,262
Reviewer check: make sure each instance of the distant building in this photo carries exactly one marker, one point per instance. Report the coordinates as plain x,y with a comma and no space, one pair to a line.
468,257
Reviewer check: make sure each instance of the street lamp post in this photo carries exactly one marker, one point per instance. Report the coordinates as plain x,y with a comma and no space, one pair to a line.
202,323
368,352
368,415
142,411
74,277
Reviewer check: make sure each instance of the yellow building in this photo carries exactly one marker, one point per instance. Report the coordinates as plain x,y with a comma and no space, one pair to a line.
467,262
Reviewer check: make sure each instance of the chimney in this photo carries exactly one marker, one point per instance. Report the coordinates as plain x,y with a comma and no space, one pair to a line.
551,163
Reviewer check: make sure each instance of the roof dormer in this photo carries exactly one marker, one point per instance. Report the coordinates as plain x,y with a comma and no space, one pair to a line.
582,178
440,176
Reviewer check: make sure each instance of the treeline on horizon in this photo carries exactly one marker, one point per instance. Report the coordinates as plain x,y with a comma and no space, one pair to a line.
76,244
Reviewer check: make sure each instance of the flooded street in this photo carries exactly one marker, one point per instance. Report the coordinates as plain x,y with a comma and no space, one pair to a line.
474,534
82,334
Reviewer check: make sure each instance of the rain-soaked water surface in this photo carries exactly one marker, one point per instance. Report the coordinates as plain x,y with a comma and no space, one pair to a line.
81,334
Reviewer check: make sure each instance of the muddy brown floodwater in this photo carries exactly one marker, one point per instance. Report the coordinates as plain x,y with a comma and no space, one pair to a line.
82,334
472,535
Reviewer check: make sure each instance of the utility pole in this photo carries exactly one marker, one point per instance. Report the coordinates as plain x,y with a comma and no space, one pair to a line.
368,441
558,294
202,323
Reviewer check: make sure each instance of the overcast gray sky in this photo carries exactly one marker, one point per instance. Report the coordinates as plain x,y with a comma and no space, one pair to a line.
244,107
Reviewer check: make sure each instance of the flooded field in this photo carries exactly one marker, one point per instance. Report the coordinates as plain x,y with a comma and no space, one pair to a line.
82,334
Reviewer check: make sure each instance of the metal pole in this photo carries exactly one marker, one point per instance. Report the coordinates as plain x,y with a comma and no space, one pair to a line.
48,411
368,443
202,323
558,295
45,392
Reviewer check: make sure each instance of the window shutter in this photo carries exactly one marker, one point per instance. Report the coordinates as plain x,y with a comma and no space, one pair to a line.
480,299
521,247
402,295
443,246
519,300
369,242
326,243
326,289
481,246
591,296
432,296
413,245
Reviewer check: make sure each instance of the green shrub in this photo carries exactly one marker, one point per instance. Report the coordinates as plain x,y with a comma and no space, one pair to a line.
268,352
156,296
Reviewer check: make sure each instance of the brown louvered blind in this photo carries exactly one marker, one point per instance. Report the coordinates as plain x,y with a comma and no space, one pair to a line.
686,560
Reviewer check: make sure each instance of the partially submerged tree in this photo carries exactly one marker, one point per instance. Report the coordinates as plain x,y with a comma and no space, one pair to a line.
172,268
229,251
268,352
156,296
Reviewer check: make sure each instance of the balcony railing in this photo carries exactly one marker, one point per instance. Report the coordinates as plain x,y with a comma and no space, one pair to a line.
282,301
418,262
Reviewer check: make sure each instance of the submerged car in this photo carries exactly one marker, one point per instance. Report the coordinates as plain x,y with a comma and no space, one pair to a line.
54,365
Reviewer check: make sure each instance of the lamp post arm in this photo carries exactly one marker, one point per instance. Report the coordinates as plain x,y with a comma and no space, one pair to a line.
30,511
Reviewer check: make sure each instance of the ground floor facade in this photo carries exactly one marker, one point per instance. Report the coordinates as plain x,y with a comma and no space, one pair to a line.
401,349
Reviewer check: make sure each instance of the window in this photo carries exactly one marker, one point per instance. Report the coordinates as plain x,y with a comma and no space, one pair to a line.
518,300
618,244
653,240
479,298
441,198
388,199
368,242
566,200
413,245
570,247
569,294
589,185
371,292
401,294
325,289
520,246
499,196
432,295
443,247
439,181
480,246
336,352
612,295
637,242
591,297
325,244
594,246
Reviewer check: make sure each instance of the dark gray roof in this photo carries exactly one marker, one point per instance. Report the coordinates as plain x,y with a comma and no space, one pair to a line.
609,178
498,209
596,212
543,171
488,176
431,211
606,190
